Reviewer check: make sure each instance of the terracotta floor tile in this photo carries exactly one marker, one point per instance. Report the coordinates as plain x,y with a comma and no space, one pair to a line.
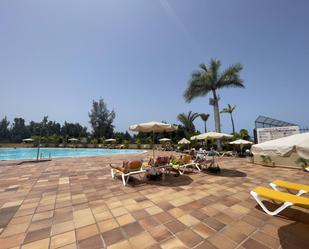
165,205
176,212
214,224
62,227
37,235
253,244
270,230
222,242
266,240
132,229
160,233
113,236
86,232
83,217
172,244
119,211
43,215
105,215
12,241
206,245
107,225
14,229
40,244
188,220
224,218
140,214
253,221
94,242
203,230
189,238
62,239
148,223
40,225
121,245
154,210
163,217
69,246
142,241
20,220
125,219
234,234
175,226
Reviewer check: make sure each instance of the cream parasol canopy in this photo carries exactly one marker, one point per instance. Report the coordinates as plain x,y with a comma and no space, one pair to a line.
214,135
241,141
28,140
165,140
153,127
110,140
73,139
184,141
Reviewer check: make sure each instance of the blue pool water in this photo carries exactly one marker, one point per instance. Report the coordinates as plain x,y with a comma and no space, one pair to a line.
30,153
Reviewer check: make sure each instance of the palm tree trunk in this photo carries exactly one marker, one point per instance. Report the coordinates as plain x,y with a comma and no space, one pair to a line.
205,126
216,112
217,117
233,124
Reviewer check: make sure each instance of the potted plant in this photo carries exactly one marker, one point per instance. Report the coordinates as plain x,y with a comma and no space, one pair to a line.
266,160
303,162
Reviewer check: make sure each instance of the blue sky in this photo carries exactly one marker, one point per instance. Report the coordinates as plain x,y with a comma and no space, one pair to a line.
57,56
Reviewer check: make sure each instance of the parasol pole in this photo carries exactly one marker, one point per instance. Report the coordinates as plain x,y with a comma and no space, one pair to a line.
153,153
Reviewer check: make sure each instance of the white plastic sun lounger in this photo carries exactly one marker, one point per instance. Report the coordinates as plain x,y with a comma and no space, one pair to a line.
286,199
132,169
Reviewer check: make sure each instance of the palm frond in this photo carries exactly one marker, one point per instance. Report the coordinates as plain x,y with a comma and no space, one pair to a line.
203,67
230,77
196,88
228,109
204,116
187,120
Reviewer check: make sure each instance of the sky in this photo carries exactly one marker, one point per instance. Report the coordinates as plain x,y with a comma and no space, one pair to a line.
57,56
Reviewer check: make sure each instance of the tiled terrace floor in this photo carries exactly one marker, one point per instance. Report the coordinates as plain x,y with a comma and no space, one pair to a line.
74,203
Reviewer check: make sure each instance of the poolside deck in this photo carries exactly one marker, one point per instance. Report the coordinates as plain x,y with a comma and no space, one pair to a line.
74,203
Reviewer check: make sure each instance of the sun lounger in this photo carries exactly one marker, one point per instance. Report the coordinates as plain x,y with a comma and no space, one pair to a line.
273,195
188,162
302,189
127,169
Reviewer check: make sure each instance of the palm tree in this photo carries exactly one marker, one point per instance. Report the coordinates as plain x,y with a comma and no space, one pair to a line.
229,109
208,79
187,120
204,117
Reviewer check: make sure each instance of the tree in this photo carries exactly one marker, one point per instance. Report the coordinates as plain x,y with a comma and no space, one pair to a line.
187,121
4,130
204,117
230,109
73,130
19,130
208,79
101,119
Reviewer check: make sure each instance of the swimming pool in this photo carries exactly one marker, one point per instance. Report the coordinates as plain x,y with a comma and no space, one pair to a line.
31,153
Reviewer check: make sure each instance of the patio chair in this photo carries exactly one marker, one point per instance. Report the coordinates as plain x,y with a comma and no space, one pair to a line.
286,199
127,169
302,189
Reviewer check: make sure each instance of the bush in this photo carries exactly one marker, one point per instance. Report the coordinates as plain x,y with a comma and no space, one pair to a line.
139,143
94,141
126,144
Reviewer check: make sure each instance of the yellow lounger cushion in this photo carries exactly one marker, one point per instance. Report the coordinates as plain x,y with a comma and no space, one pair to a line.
282,197
291,185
